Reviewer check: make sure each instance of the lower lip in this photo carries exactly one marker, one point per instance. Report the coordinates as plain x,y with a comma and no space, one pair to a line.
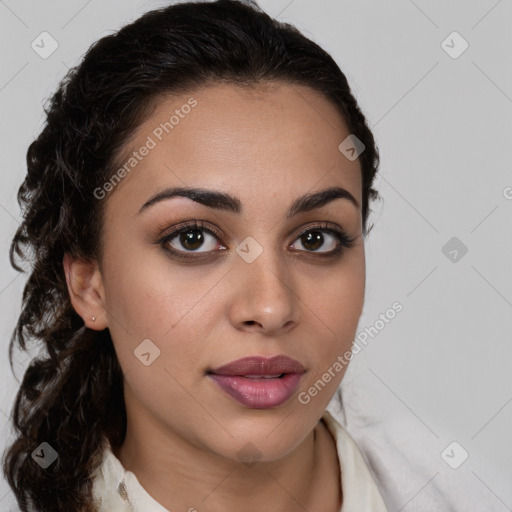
258,393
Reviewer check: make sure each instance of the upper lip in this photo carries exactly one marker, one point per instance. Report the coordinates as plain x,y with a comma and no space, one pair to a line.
256,365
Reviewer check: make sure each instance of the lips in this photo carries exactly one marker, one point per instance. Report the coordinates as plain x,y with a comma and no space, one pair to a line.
258,382
260,366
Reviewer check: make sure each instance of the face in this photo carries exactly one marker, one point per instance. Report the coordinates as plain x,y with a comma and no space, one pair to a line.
249,279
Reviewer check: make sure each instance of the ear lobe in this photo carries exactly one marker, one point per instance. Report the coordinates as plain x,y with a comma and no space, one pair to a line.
85,288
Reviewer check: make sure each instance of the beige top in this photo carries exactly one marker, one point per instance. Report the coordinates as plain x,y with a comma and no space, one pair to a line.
118,490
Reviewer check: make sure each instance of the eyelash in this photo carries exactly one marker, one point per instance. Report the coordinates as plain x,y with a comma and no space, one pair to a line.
344,241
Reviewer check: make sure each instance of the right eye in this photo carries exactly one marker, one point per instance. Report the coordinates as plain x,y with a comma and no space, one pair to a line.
187,238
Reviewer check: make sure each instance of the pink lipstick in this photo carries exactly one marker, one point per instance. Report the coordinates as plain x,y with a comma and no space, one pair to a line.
259,382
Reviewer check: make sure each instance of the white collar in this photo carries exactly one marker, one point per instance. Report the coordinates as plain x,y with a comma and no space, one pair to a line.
112,483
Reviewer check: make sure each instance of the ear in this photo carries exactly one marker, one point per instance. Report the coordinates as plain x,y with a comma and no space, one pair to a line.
85,287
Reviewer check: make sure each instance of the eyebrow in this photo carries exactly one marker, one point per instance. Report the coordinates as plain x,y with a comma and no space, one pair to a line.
223,201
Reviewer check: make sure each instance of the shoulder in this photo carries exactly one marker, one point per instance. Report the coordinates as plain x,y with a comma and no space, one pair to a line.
108,483
407,464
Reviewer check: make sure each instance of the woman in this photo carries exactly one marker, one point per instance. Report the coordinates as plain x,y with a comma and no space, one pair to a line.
196,205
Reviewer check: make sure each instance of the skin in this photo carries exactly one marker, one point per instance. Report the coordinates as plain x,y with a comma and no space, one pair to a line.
266,145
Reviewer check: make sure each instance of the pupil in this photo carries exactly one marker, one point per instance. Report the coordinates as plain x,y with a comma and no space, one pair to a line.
191,239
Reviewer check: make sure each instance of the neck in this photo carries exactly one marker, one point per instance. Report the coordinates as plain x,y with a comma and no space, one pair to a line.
183,476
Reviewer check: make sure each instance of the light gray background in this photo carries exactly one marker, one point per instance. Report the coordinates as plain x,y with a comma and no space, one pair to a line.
440,370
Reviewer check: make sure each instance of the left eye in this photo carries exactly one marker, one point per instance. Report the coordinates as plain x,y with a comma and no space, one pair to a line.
313,239
194,238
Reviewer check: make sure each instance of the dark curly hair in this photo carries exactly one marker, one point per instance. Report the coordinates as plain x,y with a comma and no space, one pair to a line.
71,395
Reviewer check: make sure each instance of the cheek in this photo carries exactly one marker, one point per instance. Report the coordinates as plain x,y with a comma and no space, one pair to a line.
154,327
169,307
339,297
334,313
146,294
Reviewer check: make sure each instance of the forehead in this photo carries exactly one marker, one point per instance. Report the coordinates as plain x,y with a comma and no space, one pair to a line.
277,138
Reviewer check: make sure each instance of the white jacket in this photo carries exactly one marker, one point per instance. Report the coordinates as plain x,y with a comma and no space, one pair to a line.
118,490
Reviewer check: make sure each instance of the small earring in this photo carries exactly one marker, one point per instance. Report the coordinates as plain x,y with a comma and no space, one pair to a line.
93,318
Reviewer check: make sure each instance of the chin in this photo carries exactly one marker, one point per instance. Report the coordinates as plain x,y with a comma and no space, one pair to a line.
261,439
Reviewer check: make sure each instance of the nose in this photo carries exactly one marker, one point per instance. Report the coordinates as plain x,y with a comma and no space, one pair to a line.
264,299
